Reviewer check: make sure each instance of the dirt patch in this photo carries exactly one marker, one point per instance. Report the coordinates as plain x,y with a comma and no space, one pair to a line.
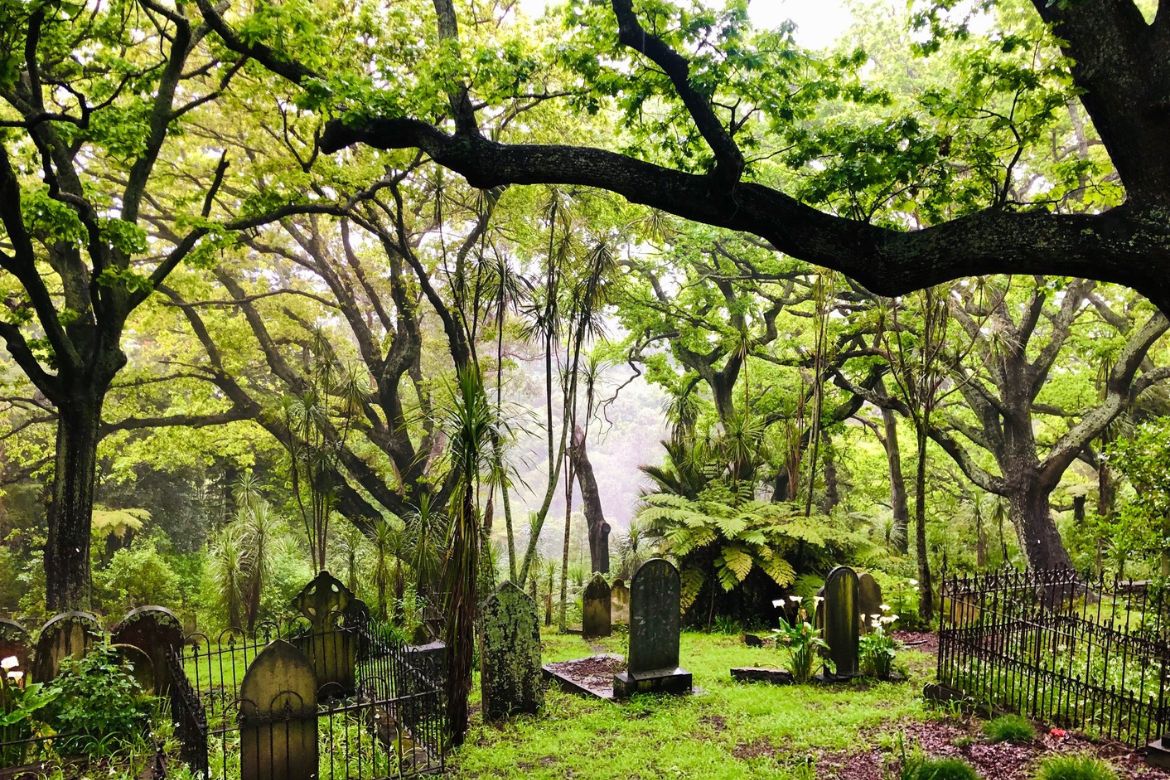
757,748
717,722
592,675
926,641
964,739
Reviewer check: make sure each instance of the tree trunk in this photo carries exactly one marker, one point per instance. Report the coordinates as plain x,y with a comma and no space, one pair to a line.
980,538
898,500
1039,538
925,592
591,503
832,495
71,510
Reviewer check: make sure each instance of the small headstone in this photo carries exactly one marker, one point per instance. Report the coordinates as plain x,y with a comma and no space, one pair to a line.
510,675
652,665
842,621
14,641
332,643
595,608
278,716
619,603
869,597
155,631
68,635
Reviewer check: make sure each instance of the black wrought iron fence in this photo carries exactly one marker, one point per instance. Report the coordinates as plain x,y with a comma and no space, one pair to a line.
1093,655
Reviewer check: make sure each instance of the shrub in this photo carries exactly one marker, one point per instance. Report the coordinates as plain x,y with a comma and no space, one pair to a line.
938,769
1009,728
1075,767
98,704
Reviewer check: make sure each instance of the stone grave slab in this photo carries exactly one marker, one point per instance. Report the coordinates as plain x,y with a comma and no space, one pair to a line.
510,675
595,608
67,635
620,603
278,716
155,631
869,597
654,634
842,622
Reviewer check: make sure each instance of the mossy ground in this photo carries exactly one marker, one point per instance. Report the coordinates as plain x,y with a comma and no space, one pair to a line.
725,730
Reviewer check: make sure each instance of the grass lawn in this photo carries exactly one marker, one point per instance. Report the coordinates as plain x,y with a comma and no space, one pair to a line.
726,729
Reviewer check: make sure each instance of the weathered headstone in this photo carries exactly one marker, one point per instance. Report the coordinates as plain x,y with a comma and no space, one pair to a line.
595,608
869,599
155,631
278,716
68,635
332,642
842,621
510,675
652,665
15,642
620,603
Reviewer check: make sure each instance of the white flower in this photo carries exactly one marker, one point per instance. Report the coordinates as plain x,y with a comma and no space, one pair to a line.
795,599
818,599
16,677
778,602
914,582
11,662
884,607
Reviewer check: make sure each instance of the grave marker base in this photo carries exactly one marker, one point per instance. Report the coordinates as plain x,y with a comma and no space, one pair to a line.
1158,753
676,680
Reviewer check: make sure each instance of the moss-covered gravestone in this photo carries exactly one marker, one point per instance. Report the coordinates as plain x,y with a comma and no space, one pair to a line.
842,621
652,664
619,610
68,635
595,608
869,597
278,716
15,643
332,643
156,632
510,675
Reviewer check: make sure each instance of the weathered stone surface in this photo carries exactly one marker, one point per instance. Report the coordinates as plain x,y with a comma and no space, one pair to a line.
842,621
592,676
654,631
510,675
1158,753
761,674
155,631
332,643
15,641
869,597
595,608
68,635
278,716
620,603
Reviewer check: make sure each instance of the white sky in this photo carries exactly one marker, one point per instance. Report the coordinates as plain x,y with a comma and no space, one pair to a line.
818,22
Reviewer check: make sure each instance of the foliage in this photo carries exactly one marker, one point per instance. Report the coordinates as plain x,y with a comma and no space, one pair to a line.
1009,728
922,768
803,644
97,702
1144,459
1074,767
137,575
877,651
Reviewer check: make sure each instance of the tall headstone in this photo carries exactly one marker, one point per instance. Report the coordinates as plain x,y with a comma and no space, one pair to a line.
842,621
156,632
278,716
332,643
15,642
620,603
510,675
67,635
595,608
652,665
869,598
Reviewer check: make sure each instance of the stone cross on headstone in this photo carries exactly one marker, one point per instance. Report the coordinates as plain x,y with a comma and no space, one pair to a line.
652,664
620,603
595,608
278,716
869,598
842,621
155,631
68,635
510,675
332,643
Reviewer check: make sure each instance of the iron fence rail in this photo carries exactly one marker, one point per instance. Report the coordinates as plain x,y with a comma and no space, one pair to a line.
1093,655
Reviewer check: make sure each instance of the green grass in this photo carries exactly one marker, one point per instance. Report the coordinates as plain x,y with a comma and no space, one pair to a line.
1010,728
725,730
1076,767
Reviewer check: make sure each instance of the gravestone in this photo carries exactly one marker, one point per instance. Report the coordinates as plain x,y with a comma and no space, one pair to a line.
652,665
620,603
510,675
155,631
68,635
842,621
595,608
278,716
14,642
869,598
332,644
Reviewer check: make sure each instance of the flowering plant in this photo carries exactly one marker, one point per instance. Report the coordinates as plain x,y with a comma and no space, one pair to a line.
803,643
19,704
877,648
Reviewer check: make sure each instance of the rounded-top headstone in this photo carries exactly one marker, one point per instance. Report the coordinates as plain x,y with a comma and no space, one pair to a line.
620,602
156,631
67,635
869,598
654,617
842,620
510,674
596,608
278,715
